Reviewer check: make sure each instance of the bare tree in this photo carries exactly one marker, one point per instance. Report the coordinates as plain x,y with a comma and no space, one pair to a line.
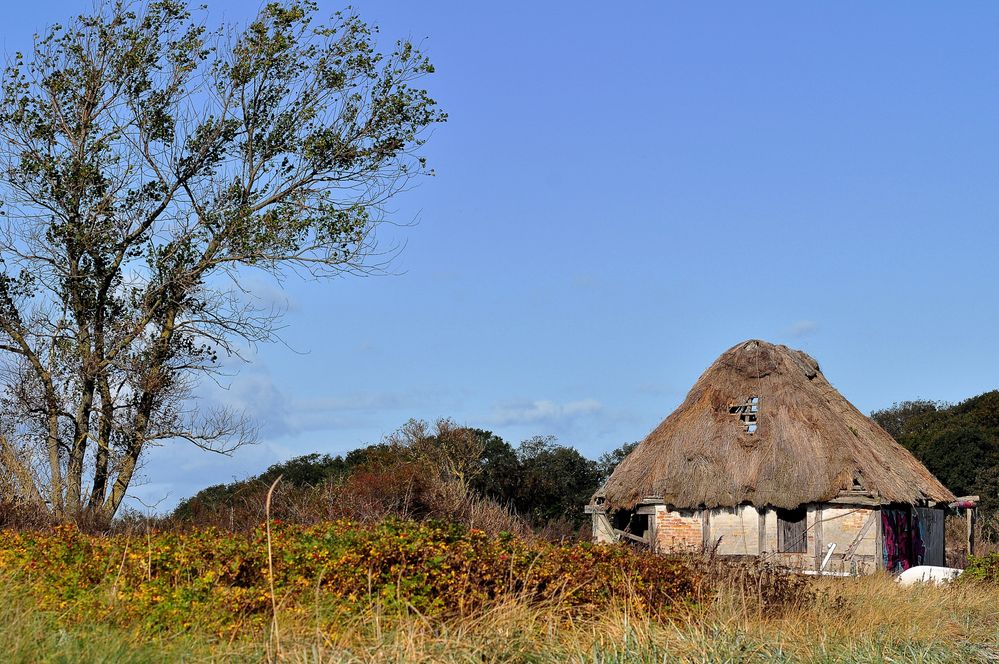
146,164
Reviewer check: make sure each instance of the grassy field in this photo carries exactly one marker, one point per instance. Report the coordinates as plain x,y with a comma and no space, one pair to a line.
404,592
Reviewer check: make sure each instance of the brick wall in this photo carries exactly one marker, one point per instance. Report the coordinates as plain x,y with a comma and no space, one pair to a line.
677,531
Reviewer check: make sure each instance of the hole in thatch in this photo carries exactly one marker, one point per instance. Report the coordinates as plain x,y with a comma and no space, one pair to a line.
747,413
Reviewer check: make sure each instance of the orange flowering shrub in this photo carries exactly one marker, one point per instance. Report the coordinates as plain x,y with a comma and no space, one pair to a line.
168,579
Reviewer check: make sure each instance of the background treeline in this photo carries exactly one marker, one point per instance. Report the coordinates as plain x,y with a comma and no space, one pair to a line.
959,443
444,471
469,475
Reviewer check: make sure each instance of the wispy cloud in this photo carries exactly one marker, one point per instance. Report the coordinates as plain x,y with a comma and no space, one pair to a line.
543,411
803,328
279,413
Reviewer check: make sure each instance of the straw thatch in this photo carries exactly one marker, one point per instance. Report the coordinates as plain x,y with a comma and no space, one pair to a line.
810,443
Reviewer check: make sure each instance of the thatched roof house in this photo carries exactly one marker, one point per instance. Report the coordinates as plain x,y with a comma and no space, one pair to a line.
763,432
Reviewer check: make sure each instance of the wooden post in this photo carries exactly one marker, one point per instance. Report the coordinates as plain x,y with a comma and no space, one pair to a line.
706,530
879,542
970,517
762,512
818,538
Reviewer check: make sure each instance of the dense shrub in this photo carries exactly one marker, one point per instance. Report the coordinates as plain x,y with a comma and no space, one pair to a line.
771,589
19,515
164,579
982,568
419,472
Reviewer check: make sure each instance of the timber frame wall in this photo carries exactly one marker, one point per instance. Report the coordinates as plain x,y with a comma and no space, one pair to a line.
853,527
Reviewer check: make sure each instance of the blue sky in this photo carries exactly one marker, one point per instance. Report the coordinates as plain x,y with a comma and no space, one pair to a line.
624,192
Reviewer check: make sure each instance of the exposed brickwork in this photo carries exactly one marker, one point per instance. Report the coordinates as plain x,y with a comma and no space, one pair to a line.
739,530
678,531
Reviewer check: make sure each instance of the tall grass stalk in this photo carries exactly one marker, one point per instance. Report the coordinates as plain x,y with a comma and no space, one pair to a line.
275,629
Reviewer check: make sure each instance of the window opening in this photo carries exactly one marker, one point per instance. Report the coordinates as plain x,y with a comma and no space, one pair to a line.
630,521
791,531
748,413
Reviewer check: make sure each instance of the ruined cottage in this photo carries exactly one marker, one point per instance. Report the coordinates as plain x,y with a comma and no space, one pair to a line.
765,458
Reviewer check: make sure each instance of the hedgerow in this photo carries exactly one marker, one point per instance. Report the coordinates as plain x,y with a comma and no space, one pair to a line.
162,580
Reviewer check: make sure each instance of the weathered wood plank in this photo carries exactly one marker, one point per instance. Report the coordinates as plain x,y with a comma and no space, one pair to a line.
630,536
879,547
819,549
762,513
850,550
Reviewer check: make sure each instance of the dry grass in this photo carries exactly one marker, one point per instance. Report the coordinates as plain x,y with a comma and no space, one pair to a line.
869,619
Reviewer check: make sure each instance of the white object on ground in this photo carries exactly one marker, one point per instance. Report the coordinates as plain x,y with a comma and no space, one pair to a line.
928,574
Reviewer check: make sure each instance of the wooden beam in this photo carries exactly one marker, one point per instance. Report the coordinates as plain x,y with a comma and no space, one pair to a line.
762,513
859,499
879,541
819,552
630,536
850,550
970,517
706,530
653,532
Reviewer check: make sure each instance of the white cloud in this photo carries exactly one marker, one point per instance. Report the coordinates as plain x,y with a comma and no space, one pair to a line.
279,413
803,328
543,411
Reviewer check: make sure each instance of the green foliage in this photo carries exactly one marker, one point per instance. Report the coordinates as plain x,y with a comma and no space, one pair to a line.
608,461
555,481
959,443
543,481
168,579
906,418
500,469
982,568
305,471
147,163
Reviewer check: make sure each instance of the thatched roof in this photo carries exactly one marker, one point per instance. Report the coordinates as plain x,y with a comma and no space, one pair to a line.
809,444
